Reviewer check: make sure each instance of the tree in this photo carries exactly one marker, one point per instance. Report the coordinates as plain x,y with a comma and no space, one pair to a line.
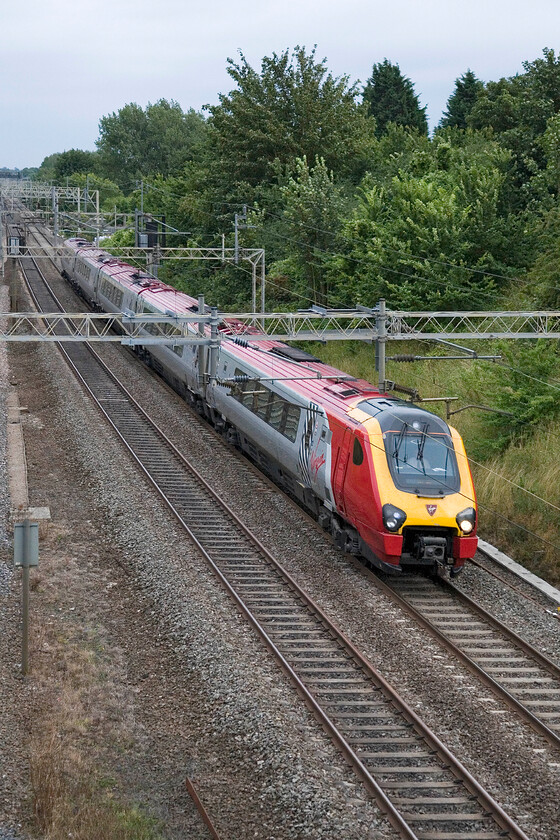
136,143
518,111
390,98
431,237
461,101
292,109
110,196
521,385
550,142
46,172
313,208
74,161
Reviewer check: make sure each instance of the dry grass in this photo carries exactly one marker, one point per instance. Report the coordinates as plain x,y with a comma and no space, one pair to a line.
534,472
82,719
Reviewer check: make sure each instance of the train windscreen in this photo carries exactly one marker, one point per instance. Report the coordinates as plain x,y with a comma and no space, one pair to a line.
422,460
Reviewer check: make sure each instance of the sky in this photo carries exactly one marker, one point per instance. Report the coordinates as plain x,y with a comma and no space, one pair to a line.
64,65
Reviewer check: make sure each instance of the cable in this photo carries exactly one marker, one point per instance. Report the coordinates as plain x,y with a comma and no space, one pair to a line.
394,250
359,261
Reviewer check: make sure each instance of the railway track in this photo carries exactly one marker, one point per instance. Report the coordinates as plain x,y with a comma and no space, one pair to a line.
421,787
520,675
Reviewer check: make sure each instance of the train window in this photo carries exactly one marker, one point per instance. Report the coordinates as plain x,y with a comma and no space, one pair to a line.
291,422
270,407
261,402
178,349
247,389
276,416
357,453
111,292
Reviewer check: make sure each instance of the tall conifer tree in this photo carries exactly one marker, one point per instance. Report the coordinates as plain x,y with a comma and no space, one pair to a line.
390,98
461,101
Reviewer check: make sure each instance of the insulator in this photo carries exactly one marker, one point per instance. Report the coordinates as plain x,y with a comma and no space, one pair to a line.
241,341
241,377
403,357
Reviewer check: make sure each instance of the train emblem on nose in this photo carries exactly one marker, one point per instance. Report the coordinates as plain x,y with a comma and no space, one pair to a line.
431,509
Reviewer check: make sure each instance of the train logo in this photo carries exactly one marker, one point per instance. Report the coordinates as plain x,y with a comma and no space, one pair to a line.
431,509
316,463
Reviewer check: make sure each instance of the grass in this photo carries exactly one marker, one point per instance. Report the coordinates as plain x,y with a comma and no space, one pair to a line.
509,483
72,795
69,804
81,726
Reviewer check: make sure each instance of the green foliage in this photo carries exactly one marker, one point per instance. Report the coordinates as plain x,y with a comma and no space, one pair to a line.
462,101
544,276
109,193
550,143
136,143
519,110
119,239
313,206
390,98
73,162
292,108
522,384
47,170
429,237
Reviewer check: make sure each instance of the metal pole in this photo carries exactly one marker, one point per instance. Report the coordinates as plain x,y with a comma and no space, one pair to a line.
202,352
380,343
25,622
55,211
25,602
253,287
97,219
201,311
238,216
156,257
214,344
263,280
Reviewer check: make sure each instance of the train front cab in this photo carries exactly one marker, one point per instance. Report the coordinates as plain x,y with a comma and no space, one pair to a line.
422,508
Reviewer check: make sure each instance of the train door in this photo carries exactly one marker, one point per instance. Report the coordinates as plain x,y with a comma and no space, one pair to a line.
320,457
343,456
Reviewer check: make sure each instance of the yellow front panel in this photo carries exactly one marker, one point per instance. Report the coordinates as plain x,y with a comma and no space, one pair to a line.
415,507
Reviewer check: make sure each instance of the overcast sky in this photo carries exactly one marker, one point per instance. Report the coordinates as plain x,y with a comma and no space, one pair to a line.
63,64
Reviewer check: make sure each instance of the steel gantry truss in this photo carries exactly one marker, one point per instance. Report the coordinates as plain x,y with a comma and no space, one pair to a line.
152,256
308,325
24,190
376,324
101,327
472,325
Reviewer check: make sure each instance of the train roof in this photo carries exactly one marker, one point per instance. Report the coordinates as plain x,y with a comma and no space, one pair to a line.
295,369
153,291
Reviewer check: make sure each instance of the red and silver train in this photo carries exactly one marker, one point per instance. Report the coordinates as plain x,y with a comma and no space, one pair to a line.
389,480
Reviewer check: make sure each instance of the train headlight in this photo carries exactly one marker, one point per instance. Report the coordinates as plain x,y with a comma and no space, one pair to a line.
393,517
466,520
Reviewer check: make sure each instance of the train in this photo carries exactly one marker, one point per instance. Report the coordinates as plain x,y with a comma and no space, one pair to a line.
388,479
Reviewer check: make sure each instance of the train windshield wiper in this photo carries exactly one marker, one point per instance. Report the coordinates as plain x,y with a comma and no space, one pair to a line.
398,442
422,442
